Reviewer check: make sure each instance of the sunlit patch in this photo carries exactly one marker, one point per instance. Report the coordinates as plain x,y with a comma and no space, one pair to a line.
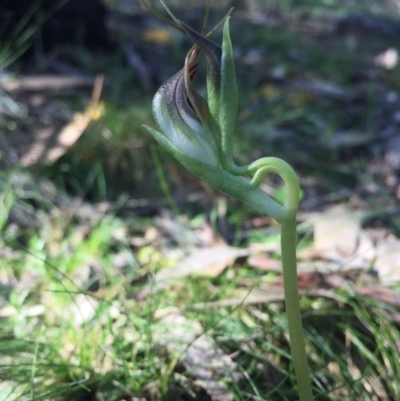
158,36
266,92
300,98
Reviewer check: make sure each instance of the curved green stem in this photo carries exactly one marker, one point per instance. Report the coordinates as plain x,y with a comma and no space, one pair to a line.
258,170
266,165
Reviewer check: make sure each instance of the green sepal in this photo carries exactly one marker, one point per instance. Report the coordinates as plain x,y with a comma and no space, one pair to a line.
229,97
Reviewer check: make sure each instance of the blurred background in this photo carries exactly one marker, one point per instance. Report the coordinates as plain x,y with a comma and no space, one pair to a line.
92,210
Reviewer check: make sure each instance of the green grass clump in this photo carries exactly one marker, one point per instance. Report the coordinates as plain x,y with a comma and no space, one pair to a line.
73,327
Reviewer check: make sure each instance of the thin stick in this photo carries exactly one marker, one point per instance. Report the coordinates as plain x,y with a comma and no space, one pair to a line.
205,21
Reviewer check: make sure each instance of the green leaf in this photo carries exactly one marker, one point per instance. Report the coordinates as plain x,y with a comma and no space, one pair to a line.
237,187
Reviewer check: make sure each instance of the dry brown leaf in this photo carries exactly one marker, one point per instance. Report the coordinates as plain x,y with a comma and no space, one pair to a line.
202,357
72,131
181,232
82,309
387,262
380,293
274,293
338,237
206,261
246,297
48,144
336,232
39,83
30,311
263,262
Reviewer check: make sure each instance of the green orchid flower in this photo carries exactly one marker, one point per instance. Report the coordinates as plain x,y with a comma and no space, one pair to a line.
199,129
198,133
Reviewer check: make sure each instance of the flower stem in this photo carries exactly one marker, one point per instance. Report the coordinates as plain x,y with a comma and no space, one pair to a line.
288,247
259,169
